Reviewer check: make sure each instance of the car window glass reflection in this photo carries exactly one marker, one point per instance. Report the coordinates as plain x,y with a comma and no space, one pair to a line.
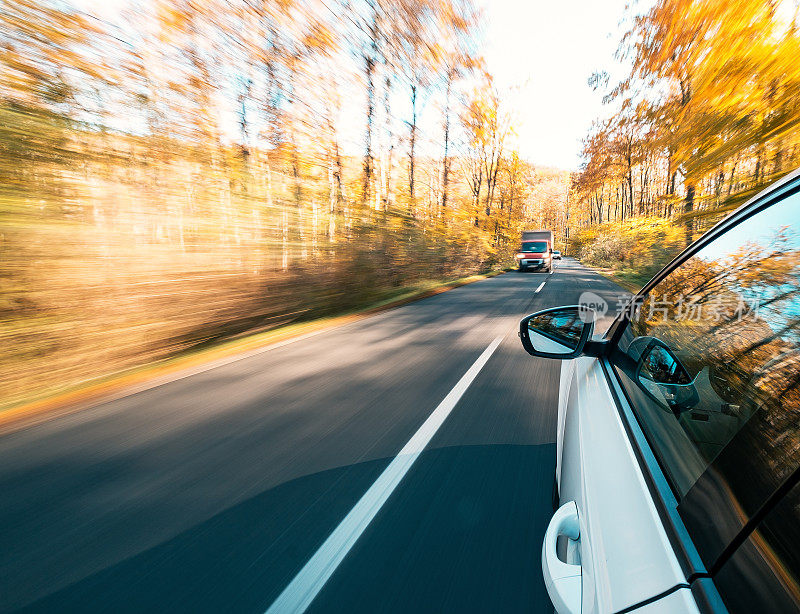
723,332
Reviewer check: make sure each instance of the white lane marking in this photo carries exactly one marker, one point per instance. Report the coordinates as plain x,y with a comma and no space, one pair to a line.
305,586
539,289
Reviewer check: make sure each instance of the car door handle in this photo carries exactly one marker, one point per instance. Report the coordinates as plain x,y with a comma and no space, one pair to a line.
563,581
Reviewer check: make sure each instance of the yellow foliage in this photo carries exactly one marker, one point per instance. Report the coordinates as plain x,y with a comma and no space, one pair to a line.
637,247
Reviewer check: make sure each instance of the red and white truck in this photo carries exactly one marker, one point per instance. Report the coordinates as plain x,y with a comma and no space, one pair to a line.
536,251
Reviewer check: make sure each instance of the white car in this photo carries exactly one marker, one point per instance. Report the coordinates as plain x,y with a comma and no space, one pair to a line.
678,444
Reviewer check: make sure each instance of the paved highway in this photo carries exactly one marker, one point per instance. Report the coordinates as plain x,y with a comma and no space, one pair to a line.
274,482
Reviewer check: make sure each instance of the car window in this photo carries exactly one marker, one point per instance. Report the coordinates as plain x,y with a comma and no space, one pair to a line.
710,364
538,246
765,569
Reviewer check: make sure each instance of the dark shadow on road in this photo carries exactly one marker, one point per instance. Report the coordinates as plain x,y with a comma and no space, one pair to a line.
461,533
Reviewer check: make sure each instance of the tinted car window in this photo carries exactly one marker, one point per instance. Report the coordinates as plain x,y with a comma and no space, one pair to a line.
710,364
762,575
536,246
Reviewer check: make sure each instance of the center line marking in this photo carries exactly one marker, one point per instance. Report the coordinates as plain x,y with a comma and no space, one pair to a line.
541,285
305,586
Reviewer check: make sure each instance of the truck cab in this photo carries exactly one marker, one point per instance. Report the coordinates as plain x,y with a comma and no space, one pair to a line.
536,251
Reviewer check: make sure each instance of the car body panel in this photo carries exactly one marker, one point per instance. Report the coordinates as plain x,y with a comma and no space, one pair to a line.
535,260
635,550
625,552
567,372
679,602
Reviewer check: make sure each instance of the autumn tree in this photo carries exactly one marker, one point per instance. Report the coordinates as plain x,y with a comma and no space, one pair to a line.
709,108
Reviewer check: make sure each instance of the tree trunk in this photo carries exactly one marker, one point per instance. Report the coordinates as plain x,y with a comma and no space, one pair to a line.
370,58
446,161
388,193
413,141
335,189
688,207
370,69
491,182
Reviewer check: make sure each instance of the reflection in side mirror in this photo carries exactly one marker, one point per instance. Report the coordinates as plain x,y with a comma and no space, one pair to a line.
663,377
560,332
660,365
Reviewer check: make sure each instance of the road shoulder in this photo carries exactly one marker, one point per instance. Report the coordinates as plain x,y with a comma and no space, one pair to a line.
109,387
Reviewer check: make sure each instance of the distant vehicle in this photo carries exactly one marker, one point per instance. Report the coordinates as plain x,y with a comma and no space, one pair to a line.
536,251
677,481
556,255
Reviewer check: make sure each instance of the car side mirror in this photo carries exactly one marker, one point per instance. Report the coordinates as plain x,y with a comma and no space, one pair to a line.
662,376
559,332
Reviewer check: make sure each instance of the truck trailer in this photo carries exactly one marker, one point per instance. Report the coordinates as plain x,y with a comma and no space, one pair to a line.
536,251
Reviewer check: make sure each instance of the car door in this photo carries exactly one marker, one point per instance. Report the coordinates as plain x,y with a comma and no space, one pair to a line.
622,552
678,449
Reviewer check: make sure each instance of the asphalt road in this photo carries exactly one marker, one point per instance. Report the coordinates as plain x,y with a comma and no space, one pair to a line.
211,493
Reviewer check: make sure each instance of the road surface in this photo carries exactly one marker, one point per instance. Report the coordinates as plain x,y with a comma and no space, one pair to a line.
275,481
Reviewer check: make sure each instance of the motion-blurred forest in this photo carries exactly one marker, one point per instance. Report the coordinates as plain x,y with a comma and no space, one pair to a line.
707,117
194,171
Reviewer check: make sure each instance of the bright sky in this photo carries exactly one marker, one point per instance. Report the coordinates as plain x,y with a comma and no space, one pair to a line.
553,46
